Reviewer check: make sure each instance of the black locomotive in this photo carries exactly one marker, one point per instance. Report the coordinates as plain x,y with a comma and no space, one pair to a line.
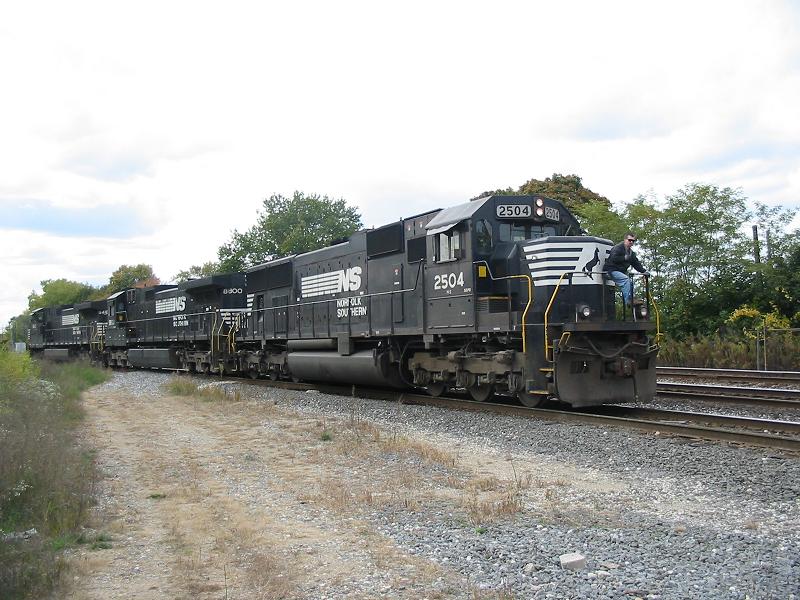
498,295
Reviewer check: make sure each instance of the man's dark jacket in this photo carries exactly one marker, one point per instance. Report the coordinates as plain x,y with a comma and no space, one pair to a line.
617,261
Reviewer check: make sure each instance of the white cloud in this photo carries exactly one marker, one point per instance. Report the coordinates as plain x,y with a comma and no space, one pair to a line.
189,114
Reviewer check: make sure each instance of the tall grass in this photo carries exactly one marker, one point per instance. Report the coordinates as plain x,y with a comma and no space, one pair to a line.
731,352
46,477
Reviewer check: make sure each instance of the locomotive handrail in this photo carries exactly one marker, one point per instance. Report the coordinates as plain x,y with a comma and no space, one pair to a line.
659,335
548,356
219,331
529,279
213,328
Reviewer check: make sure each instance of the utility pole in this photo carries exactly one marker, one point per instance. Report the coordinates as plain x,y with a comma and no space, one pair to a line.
756,245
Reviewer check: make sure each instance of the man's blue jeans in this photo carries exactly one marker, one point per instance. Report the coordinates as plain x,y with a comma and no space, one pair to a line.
623,281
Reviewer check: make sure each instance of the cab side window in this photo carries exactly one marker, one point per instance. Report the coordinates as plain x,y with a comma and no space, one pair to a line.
483,236
448,246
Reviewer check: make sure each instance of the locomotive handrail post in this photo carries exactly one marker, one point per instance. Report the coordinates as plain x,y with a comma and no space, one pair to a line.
508,300
508,279
211,334
547,356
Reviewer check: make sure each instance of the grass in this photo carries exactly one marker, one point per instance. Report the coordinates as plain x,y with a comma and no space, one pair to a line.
46,478
183,386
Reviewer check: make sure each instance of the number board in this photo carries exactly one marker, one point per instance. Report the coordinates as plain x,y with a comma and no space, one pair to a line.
511,211
552,213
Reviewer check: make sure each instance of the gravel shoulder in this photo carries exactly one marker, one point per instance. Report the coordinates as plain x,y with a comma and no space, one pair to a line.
285,494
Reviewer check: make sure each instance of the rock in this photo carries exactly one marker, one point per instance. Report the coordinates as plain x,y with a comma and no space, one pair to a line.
573,561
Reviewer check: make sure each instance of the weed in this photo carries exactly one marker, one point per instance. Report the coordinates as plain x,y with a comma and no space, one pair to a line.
100,545
157,496
483,484
326,436
46,479
181,386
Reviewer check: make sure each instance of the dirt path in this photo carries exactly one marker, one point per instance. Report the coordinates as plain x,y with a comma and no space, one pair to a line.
231,500
244,499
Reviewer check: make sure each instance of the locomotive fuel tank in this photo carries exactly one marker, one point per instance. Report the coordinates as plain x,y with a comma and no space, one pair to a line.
366,367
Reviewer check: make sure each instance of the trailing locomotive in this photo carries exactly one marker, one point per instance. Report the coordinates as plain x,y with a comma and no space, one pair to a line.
498,295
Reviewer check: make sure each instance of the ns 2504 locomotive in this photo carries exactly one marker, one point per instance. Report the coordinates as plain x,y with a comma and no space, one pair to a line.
498,295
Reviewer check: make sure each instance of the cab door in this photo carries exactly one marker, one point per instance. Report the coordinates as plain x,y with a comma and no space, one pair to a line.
449,281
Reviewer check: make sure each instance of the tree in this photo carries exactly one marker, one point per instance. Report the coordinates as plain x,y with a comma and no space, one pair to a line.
568,189
60,291
197,272
289,226
600,220
125,277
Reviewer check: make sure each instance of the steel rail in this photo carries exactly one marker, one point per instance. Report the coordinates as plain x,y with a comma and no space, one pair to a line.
690,431
751,438
762,425
781,398
733,374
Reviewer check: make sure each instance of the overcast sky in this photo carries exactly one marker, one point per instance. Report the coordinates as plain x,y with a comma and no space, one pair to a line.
145,132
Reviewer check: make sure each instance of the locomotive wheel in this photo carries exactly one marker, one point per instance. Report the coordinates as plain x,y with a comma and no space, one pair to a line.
531,400
274,374
435,388
253,373
481,393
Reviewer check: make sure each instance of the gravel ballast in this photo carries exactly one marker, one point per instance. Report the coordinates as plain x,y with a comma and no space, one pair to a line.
673,518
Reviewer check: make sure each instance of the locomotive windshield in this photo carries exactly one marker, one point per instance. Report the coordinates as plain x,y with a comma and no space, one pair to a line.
517,232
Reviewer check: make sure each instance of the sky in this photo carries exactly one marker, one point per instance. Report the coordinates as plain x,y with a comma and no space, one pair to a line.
146,132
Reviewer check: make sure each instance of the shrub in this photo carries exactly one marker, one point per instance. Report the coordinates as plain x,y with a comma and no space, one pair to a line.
46,478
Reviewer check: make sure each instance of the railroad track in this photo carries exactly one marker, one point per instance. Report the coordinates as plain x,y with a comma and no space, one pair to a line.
742,375
781,435
774,397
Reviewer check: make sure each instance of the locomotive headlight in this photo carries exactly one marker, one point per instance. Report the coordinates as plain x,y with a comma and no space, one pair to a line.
540,212
539,202
584,311
642,312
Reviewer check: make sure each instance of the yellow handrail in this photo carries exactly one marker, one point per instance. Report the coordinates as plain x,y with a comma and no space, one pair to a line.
530,296
659,335
213,331
547,313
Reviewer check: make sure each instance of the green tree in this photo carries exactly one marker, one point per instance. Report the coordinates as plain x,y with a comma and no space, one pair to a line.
59,291
289,226
197,272
601,220
131,276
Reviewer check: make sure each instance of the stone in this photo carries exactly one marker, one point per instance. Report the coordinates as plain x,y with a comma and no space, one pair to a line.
573,561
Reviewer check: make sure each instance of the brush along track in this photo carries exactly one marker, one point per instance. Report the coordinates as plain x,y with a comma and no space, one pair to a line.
729,429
